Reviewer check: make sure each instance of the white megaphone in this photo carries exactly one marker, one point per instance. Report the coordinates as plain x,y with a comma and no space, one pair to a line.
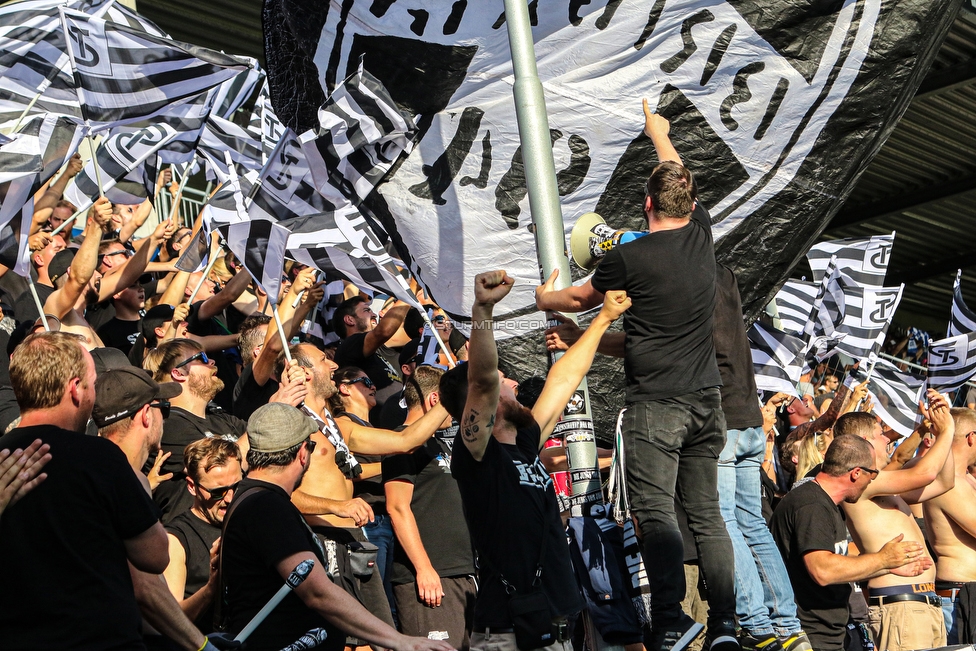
591,239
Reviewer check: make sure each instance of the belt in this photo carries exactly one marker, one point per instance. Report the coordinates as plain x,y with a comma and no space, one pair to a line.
950,593
948,589
560,626
895,598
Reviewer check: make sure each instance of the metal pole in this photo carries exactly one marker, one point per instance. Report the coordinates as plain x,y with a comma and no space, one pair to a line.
37,302
540,179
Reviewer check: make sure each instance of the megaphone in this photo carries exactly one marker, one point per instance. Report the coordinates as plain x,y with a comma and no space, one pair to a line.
591,239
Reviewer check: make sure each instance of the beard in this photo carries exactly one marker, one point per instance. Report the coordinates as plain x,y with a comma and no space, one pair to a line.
323,387
205,387
517,414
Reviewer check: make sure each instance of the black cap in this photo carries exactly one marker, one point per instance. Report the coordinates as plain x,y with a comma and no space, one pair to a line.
121,392
60,263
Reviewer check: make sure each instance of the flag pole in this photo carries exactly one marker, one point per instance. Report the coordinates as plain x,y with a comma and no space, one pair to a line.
98,171
281,331
440,342
175,210
23,115
68,221
540,181
203,278
37,302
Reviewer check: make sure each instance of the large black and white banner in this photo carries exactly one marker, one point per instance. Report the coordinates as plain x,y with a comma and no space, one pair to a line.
962,320
952,361
895,394
778,106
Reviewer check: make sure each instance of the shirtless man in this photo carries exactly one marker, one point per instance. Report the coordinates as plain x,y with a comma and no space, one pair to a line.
326,494
951,522
903,616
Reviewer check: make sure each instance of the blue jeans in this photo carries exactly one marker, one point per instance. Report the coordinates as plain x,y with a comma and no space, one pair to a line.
764,602
380,533
672,448
949,614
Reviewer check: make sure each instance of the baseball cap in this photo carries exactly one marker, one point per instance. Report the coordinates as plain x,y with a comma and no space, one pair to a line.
60,263
276,426
409,352
121,392
107,359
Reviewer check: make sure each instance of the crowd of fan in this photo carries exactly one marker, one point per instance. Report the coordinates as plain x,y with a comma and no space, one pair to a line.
168,462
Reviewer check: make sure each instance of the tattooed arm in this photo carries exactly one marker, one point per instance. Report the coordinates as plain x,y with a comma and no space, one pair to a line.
478,418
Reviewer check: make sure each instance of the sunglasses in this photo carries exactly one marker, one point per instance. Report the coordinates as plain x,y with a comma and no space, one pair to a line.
217,494
202,356
310,445
163,407
439,319
369,384
124,252
874,471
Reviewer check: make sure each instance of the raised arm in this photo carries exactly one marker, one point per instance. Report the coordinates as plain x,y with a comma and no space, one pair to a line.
484,384
567,333
657,128
385,328
136,265
225,297
372,440
827,418
84,262
927,476
575,298
567,373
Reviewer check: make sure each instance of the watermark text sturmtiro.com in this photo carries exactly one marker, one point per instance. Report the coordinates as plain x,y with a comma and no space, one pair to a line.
511,324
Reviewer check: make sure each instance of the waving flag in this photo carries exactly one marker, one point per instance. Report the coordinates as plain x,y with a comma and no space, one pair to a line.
361,133
775,358
962,320
230,95
863,260
895,394
126,75
31,157
794,304
264,123
122,161
952,361
222,136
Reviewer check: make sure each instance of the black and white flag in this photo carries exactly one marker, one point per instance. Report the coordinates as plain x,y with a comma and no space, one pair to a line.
264,123
230,95
121,158
895,394
32,156
222,136
773,103
360,134
125,75
775,358
794,304
952,361
962,320
863,260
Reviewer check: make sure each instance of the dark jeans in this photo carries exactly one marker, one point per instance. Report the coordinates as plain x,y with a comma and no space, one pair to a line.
672,448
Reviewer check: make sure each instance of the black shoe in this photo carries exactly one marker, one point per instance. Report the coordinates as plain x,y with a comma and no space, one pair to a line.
762,642
721,637
796,642
678,635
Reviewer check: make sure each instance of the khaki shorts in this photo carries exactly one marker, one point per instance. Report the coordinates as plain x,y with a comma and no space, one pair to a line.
907,626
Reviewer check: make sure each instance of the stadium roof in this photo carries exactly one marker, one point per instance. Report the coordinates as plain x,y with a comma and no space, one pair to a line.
922,184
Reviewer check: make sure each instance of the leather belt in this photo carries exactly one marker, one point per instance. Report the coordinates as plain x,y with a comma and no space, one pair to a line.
561,627
492,629
895,598
951,593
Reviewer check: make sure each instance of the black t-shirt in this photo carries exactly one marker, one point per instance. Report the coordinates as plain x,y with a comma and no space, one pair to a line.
510,507
393,413
196,536
807,520
380,367
183,428
25,309
739,395
265,529
120,334
99,314
370,490
436,506
248,395
65,576
670,277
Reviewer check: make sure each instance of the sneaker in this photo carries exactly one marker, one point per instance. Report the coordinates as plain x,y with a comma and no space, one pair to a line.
678,636
759,643
721,637
796,642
